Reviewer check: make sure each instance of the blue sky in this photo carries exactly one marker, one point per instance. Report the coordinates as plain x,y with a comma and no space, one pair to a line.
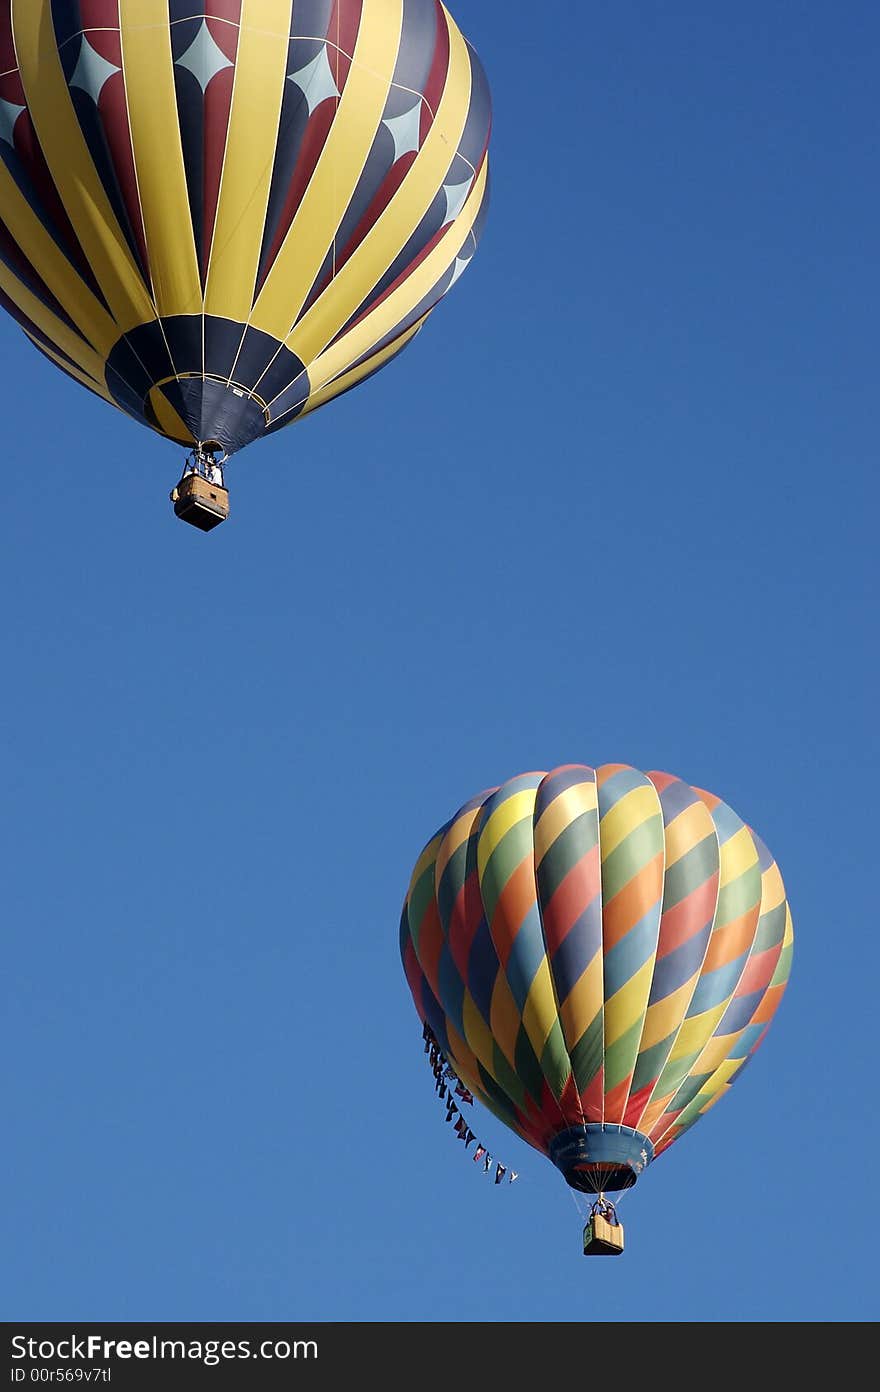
617,503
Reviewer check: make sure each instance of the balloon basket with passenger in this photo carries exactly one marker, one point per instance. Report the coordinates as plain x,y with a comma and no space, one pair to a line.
201,497
603,1234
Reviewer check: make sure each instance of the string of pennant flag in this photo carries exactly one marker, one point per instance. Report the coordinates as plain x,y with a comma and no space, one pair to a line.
448,1086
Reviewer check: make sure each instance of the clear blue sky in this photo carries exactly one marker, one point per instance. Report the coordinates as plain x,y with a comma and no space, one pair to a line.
617,503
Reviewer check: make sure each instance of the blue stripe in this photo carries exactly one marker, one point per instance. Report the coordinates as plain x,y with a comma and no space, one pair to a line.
630,955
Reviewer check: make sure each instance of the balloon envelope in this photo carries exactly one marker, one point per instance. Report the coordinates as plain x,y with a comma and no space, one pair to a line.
598,953
220,215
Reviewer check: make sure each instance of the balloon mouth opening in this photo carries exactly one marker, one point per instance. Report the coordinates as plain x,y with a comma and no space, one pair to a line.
598,1157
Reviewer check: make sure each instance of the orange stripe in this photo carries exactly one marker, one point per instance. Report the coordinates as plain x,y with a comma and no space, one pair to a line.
768,1007
575,892
731,941
516,899
431,946
689,916
632,902
615,1100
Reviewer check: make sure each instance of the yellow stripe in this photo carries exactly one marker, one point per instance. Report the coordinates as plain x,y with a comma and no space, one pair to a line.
48,323
694,1032
71,166
337,172
772,889
687,830
664,1017
582,1004
427,858
357,374
628,812
456,836
97,387
477,1034
170,422
563,810
394,310
260,75
738,855
504,1018
716,1053
391,232
723,1090
512,810
158,155
627,1005
53,267
539,1012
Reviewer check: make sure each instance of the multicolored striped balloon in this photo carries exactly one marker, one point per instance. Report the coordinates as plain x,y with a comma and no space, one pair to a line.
599,953
218,215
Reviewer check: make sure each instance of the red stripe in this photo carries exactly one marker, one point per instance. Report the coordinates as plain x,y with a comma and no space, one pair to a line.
345,22
100,14
430,947
467,913
616,1099
564,1112
113,111
662,781
637,1104
313,143
386,191
688,917
8,57
593,1096
16,259
217,108
222,9
571,898
47,201
759,971
438,73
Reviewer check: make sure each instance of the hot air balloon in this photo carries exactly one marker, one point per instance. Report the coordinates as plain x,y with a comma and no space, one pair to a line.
219,215
596,954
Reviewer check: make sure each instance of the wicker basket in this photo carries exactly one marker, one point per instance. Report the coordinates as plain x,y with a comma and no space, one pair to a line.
203,504
601,1238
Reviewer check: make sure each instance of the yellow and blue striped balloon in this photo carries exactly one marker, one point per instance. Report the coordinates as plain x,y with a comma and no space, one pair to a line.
218,215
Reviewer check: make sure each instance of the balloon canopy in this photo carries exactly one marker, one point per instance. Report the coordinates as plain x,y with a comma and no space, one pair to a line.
598,953
220,215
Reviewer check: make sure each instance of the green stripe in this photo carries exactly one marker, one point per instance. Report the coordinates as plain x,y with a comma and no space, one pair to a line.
694,868
528,1066
674,1073
783,966
620,1056
739,897
514,846
631,856
650,1063
555,1063
587,1054
508,1081
499,1102
574,842
771,929
450,885
420,897
689,1090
